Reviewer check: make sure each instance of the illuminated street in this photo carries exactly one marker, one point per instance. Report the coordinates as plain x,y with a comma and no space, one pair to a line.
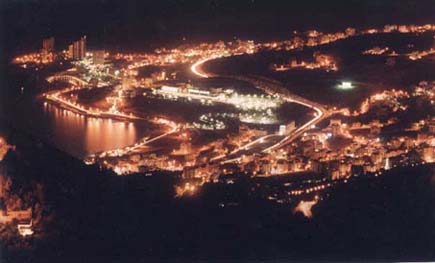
259,109
155,131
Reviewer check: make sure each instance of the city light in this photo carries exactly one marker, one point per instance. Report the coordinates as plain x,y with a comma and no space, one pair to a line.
169,133
252,109
346,85
305,207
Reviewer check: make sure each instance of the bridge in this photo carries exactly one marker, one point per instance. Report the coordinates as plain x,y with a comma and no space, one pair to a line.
73,80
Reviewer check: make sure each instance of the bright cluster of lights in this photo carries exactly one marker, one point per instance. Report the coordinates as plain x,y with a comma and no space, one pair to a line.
188,54
208,122
376,51
315,38
252,102
240,101
254,108
257,109
186,189
416,55
257,117
25,229
59,97
391,97
309,190
35,58
346,85
305,207
322,61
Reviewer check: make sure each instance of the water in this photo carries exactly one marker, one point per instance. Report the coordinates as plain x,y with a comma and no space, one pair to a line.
74,133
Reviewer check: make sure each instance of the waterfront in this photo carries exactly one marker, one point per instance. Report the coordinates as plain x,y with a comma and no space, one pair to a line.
81,136
75,134
317,144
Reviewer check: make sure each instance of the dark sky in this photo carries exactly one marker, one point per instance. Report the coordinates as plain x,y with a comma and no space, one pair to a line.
140,24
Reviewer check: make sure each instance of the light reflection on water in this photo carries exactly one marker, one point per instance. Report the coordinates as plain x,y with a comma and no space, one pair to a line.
79,135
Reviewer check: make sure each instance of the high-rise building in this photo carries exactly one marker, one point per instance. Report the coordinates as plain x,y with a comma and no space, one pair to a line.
82,49
77,50
71,51
48,44
286,129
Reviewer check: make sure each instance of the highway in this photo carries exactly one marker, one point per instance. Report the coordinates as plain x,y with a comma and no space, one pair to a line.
270,87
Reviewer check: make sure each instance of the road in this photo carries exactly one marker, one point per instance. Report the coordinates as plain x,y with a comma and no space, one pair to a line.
56,97
136,148
90,113
270,87
197,69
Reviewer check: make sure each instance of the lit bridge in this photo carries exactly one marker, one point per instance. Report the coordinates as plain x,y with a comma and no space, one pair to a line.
73,80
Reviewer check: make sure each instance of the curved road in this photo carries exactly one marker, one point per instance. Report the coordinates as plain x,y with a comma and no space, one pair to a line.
269,142
56,97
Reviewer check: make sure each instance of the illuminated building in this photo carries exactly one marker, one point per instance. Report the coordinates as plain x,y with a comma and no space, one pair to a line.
321,61
82,49
315,152
77,50
71,51
281,130
286,129
9,216
387,165
48,44
25,229
428,154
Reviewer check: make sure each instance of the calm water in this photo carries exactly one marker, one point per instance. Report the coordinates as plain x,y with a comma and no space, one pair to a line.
74,133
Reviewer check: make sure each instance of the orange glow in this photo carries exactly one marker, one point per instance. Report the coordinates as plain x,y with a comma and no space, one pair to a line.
187,189
36,58
305,207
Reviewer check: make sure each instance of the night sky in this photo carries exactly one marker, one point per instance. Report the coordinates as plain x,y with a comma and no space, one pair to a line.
143,24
